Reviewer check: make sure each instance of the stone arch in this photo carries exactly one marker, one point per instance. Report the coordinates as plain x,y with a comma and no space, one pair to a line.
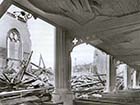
14,46
81,56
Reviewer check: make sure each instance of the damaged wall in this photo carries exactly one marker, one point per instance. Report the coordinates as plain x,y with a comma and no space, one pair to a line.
8,22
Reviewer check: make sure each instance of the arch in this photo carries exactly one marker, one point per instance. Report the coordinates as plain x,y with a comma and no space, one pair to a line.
90,65
82,54
14,45
76,42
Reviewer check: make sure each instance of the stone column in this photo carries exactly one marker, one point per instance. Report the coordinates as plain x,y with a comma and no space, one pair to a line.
111,74
136,78
127,76
62,68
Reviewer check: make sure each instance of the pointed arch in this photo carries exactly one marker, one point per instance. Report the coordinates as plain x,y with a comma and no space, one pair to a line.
14,45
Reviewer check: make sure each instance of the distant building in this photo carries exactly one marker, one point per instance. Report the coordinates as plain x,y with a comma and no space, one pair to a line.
15,43
98,65
100,61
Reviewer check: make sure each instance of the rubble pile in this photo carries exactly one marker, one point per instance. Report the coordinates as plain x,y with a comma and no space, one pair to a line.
25,78
44,77
92,85
23,97
88,85
25,84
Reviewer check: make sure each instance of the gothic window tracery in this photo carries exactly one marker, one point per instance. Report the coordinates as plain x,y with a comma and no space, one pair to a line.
14,49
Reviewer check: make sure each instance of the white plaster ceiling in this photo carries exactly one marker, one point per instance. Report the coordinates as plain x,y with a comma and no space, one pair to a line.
83,11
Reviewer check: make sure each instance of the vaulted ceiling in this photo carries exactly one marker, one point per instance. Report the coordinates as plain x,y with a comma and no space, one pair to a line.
111,25
83,11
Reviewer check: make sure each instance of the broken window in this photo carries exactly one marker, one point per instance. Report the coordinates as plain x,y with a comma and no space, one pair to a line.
14,48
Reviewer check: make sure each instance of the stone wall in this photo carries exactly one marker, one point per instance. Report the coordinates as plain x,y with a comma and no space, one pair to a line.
7,23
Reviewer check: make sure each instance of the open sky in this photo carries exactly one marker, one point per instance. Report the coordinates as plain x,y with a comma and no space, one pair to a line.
42,37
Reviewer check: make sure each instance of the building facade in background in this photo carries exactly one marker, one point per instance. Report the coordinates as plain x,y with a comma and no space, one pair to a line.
15,43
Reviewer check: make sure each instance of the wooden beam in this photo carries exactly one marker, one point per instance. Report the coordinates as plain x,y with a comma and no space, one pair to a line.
20,92
4,6
19,100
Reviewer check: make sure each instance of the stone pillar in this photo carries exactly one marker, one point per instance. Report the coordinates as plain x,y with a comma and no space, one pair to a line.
136,78
62,68
127,76
111,74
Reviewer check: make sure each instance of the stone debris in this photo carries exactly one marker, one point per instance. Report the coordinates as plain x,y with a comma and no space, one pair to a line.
87,85
92,85
26,84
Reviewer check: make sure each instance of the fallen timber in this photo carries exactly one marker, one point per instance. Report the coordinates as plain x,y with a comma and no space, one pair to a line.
21,92
41,68
16,97
89,90
17,88
93,84
20,100
15,80
86,85
23,69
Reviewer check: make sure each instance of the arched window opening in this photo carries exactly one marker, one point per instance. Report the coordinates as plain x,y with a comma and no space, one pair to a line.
89,68
14,49
14,45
